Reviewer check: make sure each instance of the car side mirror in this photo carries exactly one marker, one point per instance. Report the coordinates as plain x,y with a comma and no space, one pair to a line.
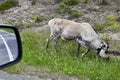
10,45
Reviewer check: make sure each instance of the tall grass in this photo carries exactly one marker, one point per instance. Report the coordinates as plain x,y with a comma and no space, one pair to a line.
90,67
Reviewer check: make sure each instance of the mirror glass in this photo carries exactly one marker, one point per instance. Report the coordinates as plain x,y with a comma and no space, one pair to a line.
8,46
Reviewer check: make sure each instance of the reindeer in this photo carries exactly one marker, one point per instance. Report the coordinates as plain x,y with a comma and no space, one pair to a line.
82,33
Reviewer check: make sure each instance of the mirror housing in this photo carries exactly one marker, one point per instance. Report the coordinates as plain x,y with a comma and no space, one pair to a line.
10,46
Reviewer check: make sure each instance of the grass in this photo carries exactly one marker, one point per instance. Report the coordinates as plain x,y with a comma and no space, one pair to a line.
8,4
103,2
65,9
71,2
33,2
118,19
90,67
111,24
37,18
76,14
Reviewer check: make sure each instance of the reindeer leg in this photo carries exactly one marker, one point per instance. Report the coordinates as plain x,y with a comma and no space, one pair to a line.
85,46
78,49
55,45
48,41
88,49
55,42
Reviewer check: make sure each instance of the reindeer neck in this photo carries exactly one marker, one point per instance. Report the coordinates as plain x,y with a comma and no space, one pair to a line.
96,43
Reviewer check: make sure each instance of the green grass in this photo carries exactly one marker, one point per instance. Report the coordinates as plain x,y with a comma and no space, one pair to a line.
8,4
33,2
37,19
76,14
65,9
90,67
103,2
71,2
111,24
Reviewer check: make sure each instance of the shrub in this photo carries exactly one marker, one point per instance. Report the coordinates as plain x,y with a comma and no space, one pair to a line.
107,26
111,18
99,27
33,2
8,4
103,2
111,24
106,38
37,19
118,19
71,2
57,1
76,14
85,1
64,8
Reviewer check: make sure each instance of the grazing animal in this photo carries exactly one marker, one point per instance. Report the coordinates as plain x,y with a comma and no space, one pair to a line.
82,33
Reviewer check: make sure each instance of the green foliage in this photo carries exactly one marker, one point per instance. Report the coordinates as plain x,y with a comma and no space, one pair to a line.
103,2
37,19
76,14
85,1
8,4
71,2
111,24
99,27
111,18
91,9
63,9
33,2
57,1
118,19
106,38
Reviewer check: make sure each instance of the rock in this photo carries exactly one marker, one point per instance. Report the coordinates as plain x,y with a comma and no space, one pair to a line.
118,12
115,36
67,16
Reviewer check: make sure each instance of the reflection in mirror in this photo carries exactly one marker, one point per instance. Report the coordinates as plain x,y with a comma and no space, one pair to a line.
8,46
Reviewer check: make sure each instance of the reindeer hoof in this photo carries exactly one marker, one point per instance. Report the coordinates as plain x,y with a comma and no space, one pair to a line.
83,55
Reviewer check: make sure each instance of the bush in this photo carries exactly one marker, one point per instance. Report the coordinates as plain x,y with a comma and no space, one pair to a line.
71,2
85,1
106,38
8,4
76,14
33,2
103,2
118,19
64,8
37,19
99,27
111,18
57,1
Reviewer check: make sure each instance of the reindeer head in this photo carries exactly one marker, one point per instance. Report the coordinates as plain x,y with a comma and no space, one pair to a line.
103,50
